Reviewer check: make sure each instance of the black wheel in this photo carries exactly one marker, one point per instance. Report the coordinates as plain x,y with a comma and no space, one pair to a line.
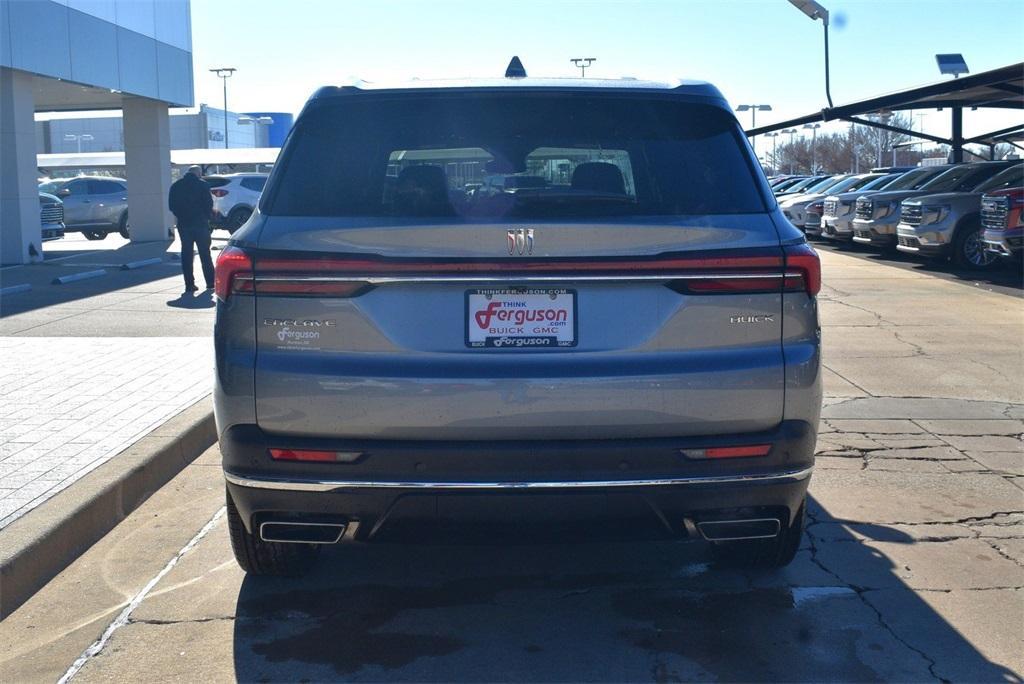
122,226
237,218
94,234
763,553
969,251
258,557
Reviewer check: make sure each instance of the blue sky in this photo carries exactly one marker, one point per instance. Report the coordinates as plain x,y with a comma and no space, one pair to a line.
755,51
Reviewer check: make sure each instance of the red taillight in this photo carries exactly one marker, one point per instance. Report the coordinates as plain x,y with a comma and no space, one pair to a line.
219,192
233,264
314,456
803,260
746,451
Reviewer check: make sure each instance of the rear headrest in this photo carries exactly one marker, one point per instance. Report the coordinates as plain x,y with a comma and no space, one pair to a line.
422,190
599,177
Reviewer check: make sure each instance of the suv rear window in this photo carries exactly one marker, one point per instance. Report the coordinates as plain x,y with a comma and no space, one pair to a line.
254,183
513,155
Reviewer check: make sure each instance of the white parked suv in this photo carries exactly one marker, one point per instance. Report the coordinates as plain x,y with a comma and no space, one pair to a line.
235,196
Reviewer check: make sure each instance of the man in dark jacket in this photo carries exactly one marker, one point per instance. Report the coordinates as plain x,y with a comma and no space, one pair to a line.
192,205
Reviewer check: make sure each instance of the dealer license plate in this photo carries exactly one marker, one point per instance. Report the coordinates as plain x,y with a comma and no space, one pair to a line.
521,318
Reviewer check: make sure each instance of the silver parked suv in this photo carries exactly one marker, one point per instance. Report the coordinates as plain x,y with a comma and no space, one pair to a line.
631,346
876,214
949,224
93,205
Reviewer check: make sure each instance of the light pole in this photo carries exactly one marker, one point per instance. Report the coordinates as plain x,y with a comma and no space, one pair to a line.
815,12
792,132
753,108
775,164
224,73
256,122
78,138
814,145
582,63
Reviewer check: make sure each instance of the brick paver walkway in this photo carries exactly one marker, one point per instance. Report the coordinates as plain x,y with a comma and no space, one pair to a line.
69,404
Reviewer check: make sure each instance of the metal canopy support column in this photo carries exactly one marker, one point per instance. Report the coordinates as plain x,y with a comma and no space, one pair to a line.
958,135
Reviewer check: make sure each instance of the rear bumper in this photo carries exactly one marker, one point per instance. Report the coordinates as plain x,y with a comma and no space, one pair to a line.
639,487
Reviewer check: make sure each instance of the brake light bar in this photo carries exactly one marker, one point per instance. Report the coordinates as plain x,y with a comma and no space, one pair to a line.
793,269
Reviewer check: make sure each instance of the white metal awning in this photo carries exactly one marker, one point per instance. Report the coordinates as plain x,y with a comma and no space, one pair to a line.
201,157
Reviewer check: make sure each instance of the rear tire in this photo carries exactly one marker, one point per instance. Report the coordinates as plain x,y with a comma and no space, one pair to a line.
258,557
122,226
237,218
763,553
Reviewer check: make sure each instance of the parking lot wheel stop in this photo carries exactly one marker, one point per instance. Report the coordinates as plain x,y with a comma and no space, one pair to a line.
75,277
132,265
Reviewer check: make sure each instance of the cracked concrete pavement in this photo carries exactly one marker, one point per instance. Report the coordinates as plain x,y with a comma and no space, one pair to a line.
911,568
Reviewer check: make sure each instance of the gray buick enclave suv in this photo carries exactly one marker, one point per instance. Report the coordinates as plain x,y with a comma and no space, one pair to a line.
631,346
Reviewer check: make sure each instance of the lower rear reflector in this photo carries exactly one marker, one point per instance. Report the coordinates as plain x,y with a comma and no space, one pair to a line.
315,456
745,451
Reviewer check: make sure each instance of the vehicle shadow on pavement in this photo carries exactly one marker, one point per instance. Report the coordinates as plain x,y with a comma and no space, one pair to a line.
610,611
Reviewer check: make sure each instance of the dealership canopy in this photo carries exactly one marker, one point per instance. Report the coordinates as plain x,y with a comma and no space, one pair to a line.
1001,88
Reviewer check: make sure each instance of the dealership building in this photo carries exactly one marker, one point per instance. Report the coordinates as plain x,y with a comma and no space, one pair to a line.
193,128
86,55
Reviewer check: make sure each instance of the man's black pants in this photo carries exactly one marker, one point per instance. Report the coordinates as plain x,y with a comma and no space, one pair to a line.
198,235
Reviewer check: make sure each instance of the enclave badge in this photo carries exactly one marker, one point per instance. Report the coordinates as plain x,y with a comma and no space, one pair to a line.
520,240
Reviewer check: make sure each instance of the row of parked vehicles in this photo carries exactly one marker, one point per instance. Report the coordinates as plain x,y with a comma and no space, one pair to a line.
968,213
98,205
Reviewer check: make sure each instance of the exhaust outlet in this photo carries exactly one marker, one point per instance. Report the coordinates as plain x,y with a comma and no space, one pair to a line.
290,532
735,530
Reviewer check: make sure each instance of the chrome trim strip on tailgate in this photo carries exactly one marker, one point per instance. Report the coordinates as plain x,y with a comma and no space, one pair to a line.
320,485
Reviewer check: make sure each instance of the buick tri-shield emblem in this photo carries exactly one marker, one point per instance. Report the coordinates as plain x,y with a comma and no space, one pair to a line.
520,241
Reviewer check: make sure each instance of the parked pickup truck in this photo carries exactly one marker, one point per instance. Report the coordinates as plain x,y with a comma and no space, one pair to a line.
877,216
837,209
1002,220
949,224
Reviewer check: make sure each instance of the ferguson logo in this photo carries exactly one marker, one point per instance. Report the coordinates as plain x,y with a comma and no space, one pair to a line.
755,318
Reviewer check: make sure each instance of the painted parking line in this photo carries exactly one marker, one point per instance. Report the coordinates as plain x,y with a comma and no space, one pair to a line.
75,277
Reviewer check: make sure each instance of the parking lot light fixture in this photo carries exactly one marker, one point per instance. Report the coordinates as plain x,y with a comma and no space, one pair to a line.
753,109
814,145
224,73
791,132
582,63
78,138
815,12
774,135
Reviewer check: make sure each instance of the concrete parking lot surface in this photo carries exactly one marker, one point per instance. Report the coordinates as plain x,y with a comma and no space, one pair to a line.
911,569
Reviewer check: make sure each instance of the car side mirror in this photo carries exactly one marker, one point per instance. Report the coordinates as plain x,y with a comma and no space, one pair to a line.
63,192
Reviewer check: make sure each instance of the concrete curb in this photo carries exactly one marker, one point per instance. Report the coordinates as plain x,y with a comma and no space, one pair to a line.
37,546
